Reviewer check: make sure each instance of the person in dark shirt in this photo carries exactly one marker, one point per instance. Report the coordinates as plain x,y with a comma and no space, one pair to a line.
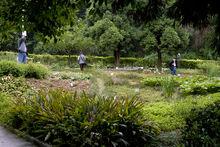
173,66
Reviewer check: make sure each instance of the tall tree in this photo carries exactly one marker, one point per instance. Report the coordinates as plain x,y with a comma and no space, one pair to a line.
163,36
199,13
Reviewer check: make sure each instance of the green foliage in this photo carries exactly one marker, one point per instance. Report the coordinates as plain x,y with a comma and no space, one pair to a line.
29,70
62,118
203,126
46,17
106,34
171,115
210,69
37,71
13,68
5,103
152,81
168,87
70,42
9,56
14,86
170,39
199,85
186,85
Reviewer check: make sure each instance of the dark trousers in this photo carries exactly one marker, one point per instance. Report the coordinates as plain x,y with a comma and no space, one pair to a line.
173,70
82,66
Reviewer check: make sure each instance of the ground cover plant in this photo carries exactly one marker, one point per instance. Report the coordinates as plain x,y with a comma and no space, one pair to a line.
63,118
203,126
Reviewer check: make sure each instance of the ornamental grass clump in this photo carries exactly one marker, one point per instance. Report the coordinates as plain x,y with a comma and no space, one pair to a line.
62,118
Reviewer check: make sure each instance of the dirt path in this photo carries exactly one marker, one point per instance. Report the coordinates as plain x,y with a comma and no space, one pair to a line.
7,139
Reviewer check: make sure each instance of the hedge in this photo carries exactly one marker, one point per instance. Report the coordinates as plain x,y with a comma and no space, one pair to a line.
66,60
29,70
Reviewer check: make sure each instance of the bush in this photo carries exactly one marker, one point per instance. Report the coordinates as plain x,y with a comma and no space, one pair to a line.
203,126
186,85
10,67
29,70
168,87
171,115
37,71
152,81
62,118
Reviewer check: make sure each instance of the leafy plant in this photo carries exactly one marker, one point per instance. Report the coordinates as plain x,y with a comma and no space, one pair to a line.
5,103
168,87
14,86
211,69
203,126
62,118
10,67
29,70
37,71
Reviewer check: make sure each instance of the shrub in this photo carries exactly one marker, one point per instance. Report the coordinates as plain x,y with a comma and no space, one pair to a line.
10,67
171,115
203,126
152,81
29,70
168,86
62,118
186,85
37,71
200,85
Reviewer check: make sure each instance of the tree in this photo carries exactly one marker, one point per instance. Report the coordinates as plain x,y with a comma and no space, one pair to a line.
199,13
163,36
107,36
72,41
44,16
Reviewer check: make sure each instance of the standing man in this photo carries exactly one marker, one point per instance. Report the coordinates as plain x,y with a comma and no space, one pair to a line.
82,61
173,66
22,49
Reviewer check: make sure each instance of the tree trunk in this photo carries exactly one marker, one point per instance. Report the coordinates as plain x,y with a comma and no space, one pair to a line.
159,59
69,60
117,57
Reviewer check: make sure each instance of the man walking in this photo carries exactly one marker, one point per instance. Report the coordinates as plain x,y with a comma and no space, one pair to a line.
82,61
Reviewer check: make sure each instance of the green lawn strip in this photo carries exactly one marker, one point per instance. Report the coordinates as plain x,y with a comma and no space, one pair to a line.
169,115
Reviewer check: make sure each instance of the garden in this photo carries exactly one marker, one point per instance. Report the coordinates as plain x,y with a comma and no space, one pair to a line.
130,93
111,107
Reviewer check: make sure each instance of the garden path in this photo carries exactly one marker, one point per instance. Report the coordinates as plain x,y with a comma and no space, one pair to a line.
7,139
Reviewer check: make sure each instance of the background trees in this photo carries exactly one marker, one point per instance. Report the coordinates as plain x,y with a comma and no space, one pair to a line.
119,28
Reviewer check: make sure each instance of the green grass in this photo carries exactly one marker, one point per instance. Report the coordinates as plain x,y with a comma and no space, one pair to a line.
169,115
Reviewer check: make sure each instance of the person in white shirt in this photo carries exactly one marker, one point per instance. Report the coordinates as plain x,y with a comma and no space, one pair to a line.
173,66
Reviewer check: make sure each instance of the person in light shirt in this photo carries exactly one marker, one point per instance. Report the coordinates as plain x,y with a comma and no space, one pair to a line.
22,50
173,66
81,61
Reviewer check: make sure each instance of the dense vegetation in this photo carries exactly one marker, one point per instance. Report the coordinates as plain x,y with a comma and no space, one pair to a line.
50,99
